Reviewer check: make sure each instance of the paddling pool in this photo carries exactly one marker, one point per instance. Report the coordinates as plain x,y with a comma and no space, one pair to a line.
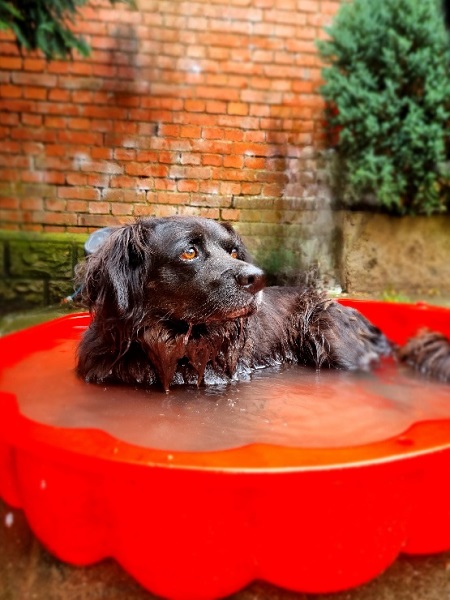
313,481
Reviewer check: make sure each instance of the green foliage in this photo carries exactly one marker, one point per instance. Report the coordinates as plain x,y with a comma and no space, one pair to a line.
388,89
278,262
44,25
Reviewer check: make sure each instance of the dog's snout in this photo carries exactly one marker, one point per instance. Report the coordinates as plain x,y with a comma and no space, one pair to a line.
251,279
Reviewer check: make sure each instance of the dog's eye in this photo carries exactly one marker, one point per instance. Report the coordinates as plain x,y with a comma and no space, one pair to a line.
234,253
189,254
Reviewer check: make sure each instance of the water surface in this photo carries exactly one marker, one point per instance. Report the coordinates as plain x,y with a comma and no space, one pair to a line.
288,405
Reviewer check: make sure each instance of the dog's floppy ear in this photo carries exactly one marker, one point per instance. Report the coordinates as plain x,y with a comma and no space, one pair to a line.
113,276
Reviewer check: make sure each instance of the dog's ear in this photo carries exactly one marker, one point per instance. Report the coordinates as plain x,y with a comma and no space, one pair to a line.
114,274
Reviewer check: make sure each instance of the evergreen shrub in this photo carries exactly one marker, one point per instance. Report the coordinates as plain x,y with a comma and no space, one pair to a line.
387,86
44,25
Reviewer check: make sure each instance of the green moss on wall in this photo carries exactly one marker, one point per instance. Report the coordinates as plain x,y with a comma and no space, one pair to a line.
37,269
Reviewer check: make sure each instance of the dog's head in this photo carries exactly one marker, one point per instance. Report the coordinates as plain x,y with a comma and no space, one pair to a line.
179,268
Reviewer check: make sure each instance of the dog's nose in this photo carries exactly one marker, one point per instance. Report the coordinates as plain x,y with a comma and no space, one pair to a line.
251,279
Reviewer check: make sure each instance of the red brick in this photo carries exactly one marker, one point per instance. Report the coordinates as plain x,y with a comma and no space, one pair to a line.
255,163
54,177
119,208
32,204
238,108
76,179
75,137
169,130
55,205
78,206
9,203
105,112
230,174
149,156
112,195
79,123
8,47
194,105
101,153
208,187
56,122
98,208
56,109
78,193
81,96
188,172
233,135
97,180
124,154
230,214
251,149
120,181
144,210
34,64
167,185
37,80
214,160
216,107
236,162
9,119
135,195
34,93
58,95
10,91
55,150
213,133
10,147
230,187
146,170
190,132
260,136
14,161
188,158
188,185
11,63
193,211
97,220
167,157
9,175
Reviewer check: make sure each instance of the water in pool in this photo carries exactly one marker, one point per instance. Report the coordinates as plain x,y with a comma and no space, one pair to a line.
290,405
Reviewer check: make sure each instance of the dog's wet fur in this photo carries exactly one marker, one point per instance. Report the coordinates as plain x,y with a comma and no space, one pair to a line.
178,301
428,353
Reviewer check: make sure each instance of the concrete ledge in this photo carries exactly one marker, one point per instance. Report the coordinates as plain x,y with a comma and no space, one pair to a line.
405,255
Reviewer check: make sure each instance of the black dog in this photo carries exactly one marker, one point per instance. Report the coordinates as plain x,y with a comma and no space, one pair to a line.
177,300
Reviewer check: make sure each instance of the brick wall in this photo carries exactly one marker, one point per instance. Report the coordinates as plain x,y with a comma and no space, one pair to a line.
202,107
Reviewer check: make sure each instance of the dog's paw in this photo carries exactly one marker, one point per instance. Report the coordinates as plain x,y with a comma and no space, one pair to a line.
354,342
429,353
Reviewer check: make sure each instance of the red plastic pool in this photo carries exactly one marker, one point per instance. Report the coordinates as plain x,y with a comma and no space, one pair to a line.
197,524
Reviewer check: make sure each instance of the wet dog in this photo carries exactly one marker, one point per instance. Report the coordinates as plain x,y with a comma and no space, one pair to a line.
178,301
